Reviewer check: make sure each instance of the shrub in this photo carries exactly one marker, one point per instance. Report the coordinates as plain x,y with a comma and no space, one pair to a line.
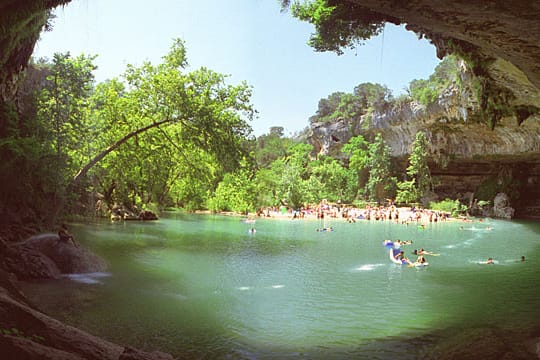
452,206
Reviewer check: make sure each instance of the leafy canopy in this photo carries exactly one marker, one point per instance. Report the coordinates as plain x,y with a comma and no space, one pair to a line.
338,24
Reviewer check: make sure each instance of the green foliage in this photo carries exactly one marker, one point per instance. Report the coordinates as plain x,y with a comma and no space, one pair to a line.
62,104
203,134
381,185
407,192
74,124
447,205
327,111
446,73
341,106
423,91
418,170
284,181
338,24
235,192
374,96
357,148
330,180
418,163
271,146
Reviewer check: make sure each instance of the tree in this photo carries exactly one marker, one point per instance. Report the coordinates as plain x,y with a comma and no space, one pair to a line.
358,150
330,180
327,108
407,192
418,163
63,110
285,182
380,185
162,124
418,172
271,146
376,96
236,192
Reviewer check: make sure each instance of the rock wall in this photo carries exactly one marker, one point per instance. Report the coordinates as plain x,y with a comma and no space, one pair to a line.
464,152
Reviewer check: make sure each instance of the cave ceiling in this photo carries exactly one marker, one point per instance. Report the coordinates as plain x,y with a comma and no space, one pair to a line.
506,30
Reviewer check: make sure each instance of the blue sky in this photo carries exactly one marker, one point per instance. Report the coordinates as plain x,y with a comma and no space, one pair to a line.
249,40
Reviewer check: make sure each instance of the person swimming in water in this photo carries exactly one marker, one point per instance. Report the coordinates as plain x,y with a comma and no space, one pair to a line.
420,260
424,252
326,229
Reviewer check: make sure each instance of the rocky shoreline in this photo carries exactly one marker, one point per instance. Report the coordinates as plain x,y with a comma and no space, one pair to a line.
26,332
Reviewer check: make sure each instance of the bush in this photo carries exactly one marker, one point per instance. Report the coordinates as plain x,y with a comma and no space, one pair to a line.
452,206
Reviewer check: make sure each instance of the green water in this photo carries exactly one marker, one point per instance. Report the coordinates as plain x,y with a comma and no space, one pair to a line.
203,287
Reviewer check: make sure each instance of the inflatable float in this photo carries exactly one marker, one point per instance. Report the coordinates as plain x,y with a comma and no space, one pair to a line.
393,252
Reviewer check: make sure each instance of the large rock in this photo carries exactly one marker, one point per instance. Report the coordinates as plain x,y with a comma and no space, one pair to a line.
68,258
501,207
28,263
44,256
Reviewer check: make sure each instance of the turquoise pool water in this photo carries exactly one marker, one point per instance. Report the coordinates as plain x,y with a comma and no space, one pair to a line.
202,286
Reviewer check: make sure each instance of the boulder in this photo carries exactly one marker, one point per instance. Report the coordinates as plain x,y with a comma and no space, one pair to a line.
45,257
28,263
68,258
502,208
147,215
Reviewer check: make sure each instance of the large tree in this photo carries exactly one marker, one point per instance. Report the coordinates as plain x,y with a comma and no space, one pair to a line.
141,137
418,163
357,148
169,123
381,184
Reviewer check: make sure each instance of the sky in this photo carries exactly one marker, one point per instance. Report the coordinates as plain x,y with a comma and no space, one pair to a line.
249,40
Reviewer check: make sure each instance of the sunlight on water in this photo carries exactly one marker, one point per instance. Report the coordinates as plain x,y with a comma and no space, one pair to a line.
204,285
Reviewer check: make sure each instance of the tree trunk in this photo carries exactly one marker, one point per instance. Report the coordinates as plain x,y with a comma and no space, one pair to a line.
82,173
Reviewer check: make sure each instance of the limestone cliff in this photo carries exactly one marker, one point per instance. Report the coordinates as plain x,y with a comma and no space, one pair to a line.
465,153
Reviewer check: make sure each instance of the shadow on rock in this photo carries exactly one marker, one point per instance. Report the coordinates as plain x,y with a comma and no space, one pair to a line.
45,257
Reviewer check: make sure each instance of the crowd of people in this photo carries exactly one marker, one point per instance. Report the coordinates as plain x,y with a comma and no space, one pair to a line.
352,214
419,216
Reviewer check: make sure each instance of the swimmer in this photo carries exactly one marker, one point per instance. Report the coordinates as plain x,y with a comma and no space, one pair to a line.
522,258
424,252
252,231
326,229
489,261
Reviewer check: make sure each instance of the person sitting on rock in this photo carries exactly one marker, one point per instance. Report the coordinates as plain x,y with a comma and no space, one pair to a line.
64,236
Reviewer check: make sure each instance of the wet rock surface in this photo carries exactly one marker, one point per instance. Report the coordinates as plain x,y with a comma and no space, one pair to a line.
44,256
